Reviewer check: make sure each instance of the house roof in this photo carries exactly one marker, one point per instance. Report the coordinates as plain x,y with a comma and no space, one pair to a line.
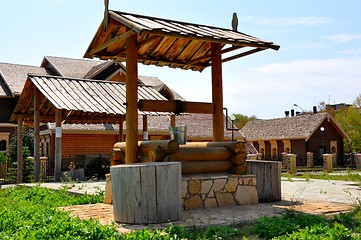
298,127
82,100
159,86
13,76
69,67
164,42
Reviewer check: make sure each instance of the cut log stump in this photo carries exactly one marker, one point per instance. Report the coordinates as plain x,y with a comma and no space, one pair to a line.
145,193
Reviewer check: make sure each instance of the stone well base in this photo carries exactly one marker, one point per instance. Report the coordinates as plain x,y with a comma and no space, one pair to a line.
210,190
218,190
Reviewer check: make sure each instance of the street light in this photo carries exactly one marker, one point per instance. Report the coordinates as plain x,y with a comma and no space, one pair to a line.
299,107
232,118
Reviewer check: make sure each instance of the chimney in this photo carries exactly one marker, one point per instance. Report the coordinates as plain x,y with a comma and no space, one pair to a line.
292,112
314,109
287,113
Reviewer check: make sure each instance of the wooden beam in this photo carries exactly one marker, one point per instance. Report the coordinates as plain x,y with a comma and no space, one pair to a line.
36,136
217,93
20,151
58,145
210,55
175,106
121,134
145,127
172,120
110,42
131,155
243,54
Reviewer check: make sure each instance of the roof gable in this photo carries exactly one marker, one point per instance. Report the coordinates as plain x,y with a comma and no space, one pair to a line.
69,67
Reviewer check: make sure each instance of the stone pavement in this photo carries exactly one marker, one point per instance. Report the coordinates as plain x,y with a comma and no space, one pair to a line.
309,196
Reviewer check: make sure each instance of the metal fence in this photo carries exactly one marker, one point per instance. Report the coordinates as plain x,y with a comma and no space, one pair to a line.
8,171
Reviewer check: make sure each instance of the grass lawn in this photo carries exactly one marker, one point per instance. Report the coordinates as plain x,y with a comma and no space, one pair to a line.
33,213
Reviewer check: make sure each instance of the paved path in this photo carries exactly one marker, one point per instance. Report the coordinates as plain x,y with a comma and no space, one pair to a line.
310,196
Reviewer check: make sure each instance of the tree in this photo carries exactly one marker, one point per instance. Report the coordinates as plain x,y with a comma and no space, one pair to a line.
349,118
357,102
241,120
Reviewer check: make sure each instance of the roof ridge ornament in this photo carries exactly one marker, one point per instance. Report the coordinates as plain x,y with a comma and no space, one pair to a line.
235,22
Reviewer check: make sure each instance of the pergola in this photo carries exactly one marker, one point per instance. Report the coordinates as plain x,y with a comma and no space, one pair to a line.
68,100
161,42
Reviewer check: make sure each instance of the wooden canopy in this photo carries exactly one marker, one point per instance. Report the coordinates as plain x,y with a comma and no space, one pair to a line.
164,42
81,100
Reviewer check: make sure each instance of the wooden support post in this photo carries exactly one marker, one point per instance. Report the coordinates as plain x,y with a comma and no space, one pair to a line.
58,145
172,120
20,150
121,134
145,127
131,99
36,136
217,93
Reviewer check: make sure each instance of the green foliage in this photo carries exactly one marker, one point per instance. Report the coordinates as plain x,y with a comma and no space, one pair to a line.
320,232
3,157
349,120
28,141
32,213
241,120
270,227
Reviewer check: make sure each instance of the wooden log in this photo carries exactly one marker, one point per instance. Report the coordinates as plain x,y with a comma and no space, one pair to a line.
268,177
145,193
238,159
206,166
169,146
200,154
117,156
233,146
241,169
157,155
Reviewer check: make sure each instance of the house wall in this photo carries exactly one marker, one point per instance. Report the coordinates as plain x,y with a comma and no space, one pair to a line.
299,147
329,134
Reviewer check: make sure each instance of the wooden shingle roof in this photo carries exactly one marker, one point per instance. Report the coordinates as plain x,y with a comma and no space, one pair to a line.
298,127
82,100
13,76
164,42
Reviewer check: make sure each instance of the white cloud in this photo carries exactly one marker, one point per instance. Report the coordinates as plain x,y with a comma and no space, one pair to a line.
345,37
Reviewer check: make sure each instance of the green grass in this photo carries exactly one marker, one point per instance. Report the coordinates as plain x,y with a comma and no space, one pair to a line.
341,176
33,213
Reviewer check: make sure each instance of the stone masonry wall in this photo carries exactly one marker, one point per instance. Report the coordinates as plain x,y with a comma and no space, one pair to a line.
218,190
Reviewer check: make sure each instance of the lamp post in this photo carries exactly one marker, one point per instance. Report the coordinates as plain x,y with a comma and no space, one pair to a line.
232,118
299,107
322,129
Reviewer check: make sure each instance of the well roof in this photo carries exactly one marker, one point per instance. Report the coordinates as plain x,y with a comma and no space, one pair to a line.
164,42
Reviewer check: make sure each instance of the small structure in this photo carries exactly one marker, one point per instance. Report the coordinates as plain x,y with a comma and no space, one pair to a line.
316,133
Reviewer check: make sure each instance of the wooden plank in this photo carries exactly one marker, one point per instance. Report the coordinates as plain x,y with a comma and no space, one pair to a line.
145,193
205,167
131,99
268,177
217,94
200,154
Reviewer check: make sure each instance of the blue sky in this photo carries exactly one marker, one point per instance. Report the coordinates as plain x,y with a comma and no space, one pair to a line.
319,59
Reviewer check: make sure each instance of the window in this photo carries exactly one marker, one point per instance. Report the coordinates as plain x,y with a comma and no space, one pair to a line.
3,145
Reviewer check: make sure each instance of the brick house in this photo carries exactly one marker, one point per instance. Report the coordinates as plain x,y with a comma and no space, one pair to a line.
317,133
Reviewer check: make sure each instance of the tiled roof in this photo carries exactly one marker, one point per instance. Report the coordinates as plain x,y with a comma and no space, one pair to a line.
159,85
298,127
15,76
71,67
